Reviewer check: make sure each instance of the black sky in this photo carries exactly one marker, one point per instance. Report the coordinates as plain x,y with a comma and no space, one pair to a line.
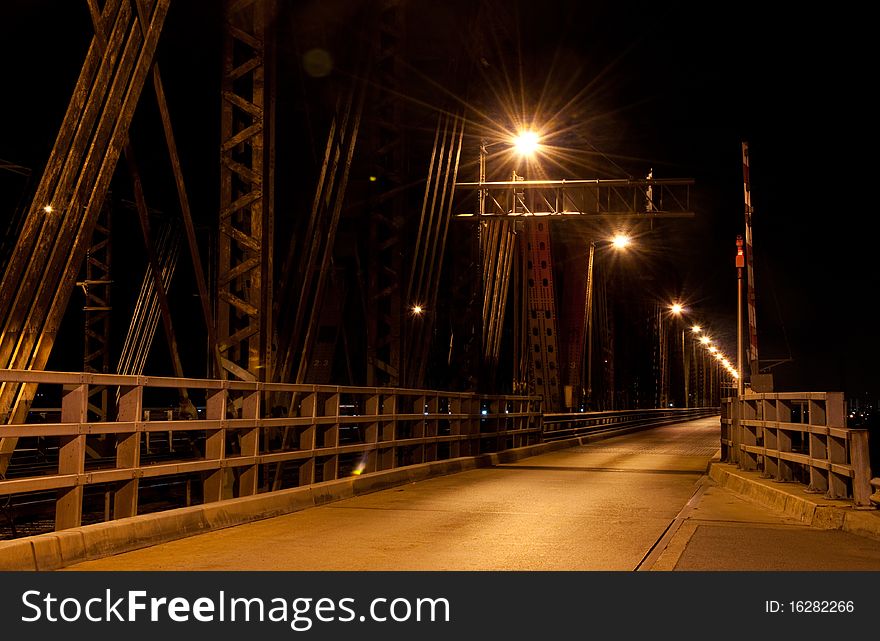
677,86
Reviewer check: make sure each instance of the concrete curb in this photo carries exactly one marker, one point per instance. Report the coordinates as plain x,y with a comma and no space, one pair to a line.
793,501
60,549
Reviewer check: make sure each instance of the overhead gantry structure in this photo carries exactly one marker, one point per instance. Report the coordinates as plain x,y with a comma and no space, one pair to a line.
550,330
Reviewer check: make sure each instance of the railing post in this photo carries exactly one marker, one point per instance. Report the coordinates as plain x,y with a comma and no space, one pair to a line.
249,444
386,457
373,408
861,464
330,438
818,447
431,429
128,451
71,457
469,408
735,436
457,406
308,438
215,445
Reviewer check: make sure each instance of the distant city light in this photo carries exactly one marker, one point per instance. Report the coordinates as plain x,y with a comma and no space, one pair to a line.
417,310
48,209
696,329
526,143
676,308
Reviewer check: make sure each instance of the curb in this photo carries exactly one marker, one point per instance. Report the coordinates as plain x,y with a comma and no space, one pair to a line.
792,500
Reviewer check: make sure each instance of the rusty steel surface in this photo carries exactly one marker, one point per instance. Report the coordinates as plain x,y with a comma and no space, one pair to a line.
51,248
244,280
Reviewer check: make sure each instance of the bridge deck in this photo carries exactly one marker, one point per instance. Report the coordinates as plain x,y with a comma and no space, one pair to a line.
639,501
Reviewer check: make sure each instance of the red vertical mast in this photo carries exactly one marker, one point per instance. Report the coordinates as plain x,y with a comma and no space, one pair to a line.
750,265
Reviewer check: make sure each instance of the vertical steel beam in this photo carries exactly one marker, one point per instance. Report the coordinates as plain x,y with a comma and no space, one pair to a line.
244,280
750,268
96,286
386,217
544,353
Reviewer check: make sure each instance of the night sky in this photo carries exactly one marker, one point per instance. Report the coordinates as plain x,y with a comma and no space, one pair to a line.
669,86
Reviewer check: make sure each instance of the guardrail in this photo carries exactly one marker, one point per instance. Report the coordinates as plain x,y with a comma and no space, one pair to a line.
562,426
244,441
236,450
790,436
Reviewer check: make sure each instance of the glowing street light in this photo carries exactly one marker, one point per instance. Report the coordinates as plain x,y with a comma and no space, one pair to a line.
48,209
417,310
621,241
705,340
713,349
696,329
526,143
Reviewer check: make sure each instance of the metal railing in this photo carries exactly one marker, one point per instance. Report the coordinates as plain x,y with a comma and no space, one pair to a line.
562,426
790,436
242,443
236,448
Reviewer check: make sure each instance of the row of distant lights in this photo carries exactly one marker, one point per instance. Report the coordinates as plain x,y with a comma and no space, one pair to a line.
706,342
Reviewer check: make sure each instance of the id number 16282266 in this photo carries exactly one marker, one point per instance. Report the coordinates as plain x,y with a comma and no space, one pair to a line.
810,607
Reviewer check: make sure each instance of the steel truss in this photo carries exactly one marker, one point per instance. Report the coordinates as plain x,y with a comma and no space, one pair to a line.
575,199
247,159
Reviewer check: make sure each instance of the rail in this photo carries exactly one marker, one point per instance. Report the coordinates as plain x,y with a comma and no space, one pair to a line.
242,441
794,436
562,426
236,447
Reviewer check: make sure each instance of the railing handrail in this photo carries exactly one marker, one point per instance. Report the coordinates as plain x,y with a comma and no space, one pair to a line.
757,435
237,436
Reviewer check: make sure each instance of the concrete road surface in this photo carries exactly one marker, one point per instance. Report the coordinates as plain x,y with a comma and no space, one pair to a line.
634,502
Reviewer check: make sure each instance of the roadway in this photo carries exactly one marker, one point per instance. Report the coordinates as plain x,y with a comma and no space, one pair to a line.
634,502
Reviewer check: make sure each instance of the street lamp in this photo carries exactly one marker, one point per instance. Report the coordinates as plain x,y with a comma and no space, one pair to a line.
526,143
619,242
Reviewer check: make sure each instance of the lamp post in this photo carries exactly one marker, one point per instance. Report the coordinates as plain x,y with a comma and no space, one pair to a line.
740,263
677,310
619,242
497,242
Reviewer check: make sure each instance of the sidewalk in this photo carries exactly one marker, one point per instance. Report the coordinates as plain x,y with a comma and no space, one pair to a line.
792,500
737,520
